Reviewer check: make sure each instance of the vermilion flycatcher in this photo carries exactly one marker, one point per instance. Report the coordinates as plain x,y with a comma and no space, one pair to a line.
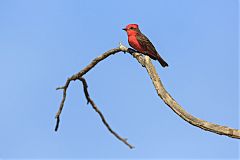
142,44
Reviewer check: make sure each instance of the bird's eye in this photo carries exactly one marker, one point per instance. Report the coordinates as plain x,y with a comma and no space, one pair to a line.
131,28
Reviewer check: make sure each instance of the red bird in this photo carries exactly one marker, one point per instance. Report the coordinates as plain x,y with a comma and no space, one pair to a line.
142,44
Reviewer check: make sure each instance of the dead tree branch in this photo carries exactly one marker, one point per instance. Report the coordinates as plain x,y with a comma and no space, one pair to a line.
162,93
89,100
79,75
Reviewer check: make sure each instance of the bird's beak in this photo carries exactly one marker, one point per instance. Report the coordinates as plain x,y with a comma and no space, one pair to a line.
125,29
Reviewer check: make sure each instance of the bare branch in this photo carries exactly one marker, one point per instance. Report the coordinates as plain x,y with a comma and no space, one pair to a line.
162,93
89,100
62,102
79,75
167,98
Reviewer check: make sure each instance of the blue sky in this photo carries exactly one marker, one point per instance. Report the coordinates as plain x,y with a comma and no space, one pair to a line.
43,42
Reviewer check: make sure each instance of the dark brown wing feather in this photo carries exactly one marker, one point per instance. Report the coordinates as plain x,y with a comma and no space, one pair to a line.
149,49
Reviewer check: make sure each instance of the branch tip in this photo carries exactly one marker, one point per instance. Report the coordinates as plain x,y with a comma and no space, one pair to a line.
58,88
57,123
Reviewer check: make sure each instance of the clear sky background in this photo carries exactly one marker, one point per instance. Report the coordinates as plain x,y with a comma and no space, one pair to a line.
43,42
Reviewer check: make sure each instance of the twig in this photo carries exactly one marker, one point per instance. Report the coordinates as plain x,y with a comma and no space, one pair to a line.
65,87
94,106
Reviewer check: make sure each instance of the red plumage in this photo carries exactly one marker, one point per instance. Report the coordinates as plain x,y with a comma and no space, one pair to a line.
142,44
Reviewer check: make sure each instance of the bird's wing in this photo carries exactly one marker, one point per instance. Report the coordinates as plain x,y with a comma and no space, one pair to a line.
147,45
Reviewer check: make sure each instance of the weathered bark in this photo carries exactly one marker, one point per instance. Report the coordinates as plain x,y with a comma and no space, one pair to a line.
162,93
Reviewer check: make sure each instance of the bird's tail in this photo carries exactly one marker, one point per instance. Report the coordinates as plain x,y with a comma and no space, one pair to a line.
161,61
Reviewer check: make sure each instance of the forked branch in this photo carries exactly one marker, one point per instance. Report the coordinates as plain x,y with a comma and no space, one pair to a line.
162,93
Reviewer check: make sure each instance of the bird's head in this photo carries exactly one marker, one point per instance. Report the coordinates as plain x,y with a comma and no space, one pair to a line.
131,29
